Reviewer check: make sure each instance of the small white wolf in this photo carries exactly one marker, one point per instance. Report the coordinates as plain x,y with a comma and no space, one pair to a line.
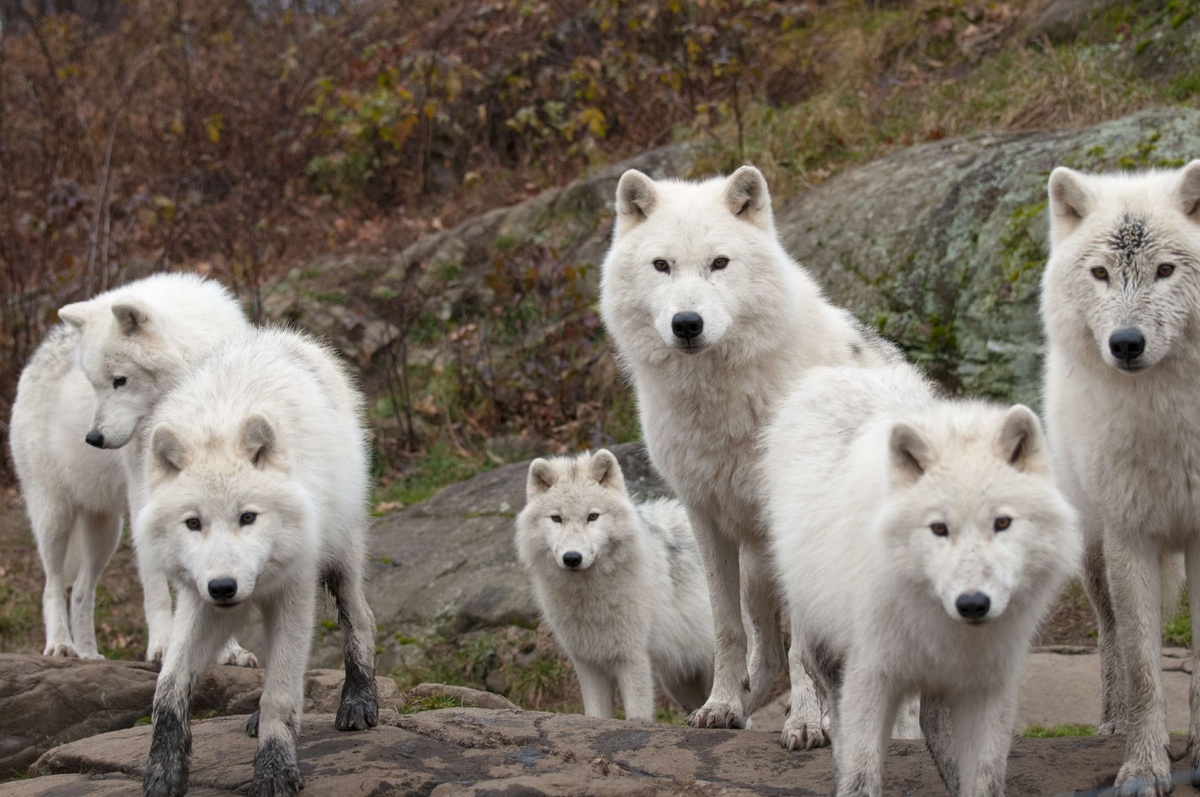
621,585
257,484
1121,306
95,378
920,542
712,320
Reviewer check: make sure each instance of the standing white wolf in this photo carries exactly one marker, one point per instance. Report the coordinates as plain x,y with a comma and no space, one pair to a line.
1121,305
96,378
621,585
258,476
712,319
919,542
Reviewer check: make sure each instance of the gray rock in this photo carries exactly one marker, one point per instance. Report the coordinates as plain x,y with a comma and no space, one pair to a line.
478,752
467,697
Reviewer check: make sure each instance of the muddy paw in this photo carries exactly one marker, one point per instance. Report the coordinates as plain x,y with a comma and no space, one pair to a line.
357,714
276,773
717,714
800,735
1144,780
238,656
63,650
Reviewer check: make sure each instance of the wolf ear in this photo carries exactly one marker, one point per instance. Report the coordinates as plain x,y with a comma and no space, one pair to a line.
1189,190
1070,201
911,454
747,197
607,471
259,441
132,315
542,476
74,314
636,197
1021,443
168,456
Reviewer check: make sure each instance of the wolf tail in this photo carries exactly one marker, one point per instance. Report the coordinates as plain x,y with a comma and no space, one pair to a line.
1173,579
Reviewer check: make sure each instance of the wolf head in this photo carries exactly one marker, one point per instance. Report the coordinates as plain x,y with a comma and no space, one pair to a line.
693,266
222,511
577,514
1123,279
973,513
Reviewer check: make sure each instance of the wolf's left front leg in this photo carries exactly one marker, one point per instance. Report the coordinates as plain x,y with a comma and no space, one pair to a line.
289,621
768,655
635,679
983,727
359,708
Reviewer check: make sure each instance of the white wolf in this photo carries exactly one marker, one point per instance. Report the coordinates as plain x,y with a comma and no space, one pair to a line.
621,585
712,319
257,481
919,542
1121,306
95,378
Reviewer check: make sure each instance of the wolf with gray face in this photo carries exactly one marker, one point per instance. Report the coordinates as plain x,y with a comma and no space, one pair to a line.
713,320
95,379
919,542
1121,308
620,584
257,484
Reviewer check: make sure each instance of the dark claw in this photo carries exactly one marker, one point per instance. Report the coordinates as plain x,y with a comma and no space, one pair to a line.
357,714
252,726
276,773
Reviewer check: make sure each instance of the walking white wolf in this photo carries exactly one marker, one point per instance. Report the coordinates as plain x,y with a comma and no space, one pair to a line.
712,319
258,476
95,378
621,585
1121,306
919,542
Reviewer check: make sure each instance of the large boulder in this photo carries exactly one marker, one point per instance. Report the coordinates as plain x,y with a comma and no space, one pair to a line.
486,752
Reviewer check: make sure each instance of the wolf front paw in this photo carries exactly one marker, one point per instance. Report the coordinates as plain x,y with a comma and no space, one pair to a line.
1144,780
800,735
276,773
238,656
166,776
62,650
717,714
156,652
357,714
1111,728
252,725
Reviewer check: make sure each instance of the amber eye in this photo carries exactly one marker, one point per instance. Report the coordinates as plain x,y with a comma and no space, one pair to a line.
193,523
248,518
120,380
1001,523
1165,270
662,265
593,516
1100,274
720,263
939,529
556,518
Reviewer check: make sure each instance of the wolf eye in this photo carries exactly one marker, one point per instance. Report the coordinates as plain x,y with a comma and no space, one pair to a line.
248,518
593,516
1164,270
1001,523
1100,273
193,523
662,265
720,263
939,529
556,518
120,380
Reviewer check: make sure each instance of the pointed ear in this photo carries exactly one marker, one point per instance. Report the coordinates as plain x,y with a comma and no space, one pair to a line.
636,197
168,456
542,476
1021,443
260,442
132,315
911,454
1189,190
1070,202
74,314
607,471
747,197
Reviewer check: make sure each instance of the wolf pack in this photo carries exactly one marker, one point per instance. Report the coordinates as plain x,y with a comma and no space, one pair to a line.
837,517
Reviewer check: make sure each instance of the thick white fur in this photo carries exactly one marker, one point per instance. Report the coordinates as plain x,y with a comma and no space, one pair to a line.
149,332
1127,443
701,408
636,606
270,424
859,464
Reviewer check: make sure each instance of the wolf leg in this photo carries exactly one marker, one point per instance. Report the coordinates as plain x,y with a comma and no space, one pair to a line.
803,729
866,710
939,738
1112,665
635,679
597,686
768,657
53,525
289,623
983,734
359,708
98,538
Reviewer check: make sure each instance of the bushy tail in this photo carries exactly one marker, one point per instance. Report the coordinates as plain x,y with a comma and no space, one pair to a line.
1174,578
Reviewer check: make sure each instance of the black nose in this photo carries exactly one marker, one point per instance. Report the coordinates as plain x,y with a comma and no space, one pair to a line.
222,589
973,606
1127,344
687,326
94,439
572,559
